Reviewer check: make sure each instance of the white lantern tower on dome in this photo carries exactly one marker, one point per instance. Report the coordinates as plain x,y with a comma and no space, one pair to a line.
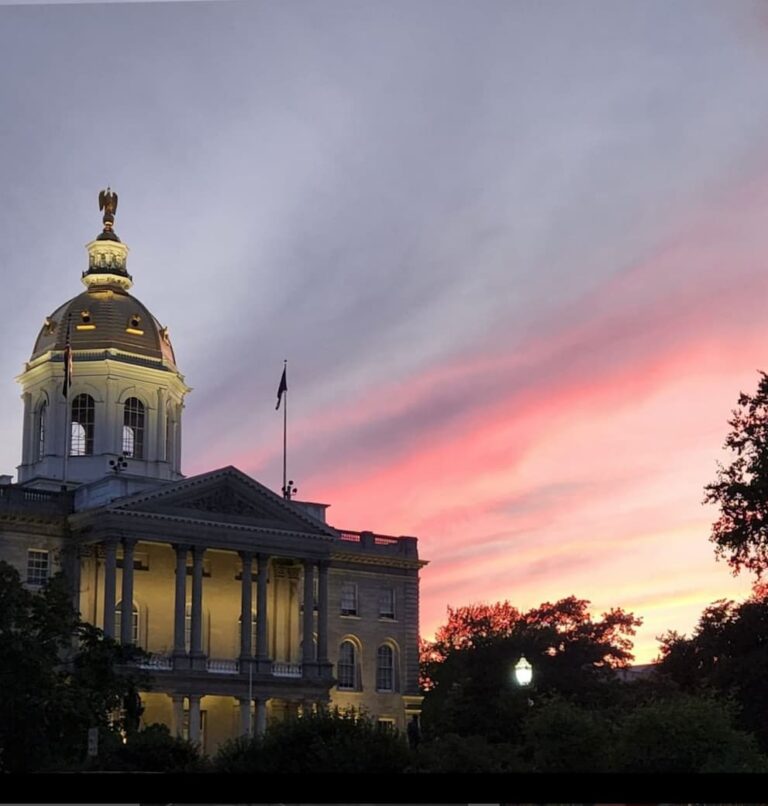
121,412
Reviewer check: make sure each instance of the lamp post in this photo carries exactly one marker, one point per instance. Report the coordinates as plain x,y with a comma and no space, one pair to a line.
523,672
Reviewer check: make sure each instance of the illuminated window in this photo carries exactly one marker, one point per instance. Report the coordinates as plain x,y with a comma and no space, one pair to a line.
119,622
349,599
81,443
133,428
346,668
387,603
42,413
37,567
385,668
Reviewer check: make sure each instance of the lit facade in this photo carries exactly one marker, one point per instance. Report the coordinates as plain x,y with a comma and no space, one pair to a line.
251,606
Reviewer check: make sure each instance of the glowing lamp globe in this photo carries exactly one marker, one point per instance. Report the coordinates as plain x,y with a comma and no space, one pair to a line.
523,672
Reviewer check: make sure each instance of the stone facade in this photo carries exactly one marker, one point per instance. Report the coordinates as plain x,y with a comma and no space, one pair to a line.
217,577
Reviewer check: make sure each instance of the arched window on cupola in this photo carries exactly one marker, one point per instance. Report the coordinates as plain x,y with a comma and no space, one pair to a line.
133,428
42,415
81,442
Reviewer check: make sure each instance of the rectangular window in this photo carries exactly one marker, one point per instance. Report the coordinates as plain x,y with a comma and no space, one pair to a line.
386,723
349,599
37,567
387,603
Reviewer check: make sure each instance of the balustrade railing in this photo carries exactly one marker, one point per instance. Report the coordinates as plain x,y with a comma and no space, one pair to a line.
368,541
280,669
13,497
156,662
222,666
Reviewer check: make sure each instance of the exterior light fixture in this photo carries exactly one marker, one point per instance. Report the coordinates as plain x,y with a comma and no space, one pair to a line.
523,672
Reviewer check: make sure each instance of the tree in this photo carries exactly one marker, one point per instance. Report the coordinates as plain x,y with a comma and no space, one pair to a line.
560,736
151,749
468,667
685,734
59,676
728,654
469,754
740,534
328,741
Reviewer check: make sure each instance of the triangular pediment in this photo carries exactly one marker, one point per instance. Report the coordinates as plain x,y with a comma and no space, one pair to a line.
224,496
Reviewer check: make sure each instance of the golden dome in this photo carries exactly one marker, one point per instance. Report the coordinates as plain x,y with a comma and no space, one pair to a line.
105,317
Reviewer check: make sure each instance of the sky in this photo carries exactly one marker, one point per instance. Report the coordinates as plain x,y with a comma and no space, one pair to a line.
515,254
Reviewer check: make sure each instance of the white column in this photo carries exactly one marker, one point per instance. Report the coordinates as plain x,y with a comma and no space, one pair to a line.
261,610
322,612
180,603
245,716
126,613
197,605
157,452
110,573
246,607
308,655
261,716
194,717
177,439
177,714
28,447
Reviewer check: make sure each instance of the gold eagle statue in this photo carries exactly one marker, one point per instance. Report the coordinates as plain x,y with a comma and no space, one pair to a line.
108,203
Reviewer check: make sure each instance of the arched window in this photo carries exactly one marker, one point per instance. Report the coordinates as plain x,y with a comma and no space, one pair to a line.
346,668
385,668
42,414
133,428
81,443
119,623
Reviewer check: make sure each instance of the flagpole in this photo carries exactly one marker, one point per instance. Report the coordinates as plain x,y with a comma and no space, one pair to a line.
285,435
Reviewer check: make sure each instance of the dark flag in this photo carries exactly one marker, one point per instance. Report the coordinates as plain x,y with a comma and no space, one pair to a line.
67,364
280,389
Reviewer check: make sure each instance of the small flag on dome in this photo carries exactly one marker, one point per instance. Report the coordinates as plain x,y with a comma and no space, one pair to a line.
67,361
282,388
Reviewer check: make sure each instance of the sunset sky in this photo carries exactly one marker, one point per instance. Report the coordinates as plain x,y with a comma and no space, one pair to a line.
516,254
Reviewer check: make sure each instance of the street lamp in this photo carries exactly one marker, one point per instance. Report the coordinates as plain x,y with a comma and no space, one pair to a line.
523,672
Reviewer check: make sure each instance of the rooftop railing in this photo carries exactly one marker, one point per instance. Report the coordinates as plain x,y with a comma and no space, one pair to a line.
388,544
14,498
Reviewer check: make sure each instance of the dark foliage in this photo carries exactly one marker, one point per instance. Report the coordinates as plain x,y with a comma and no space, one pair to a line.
728,654
685,734
328,741
468,669
740,534
152,749
59,677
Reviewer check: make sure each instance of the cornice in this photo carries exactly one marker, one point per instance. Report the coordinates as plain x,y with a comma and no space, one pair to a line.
203,523
382,560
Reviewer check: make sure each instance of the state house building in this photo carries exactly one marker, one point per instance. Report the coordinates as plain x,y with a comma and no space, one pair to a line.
251,605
